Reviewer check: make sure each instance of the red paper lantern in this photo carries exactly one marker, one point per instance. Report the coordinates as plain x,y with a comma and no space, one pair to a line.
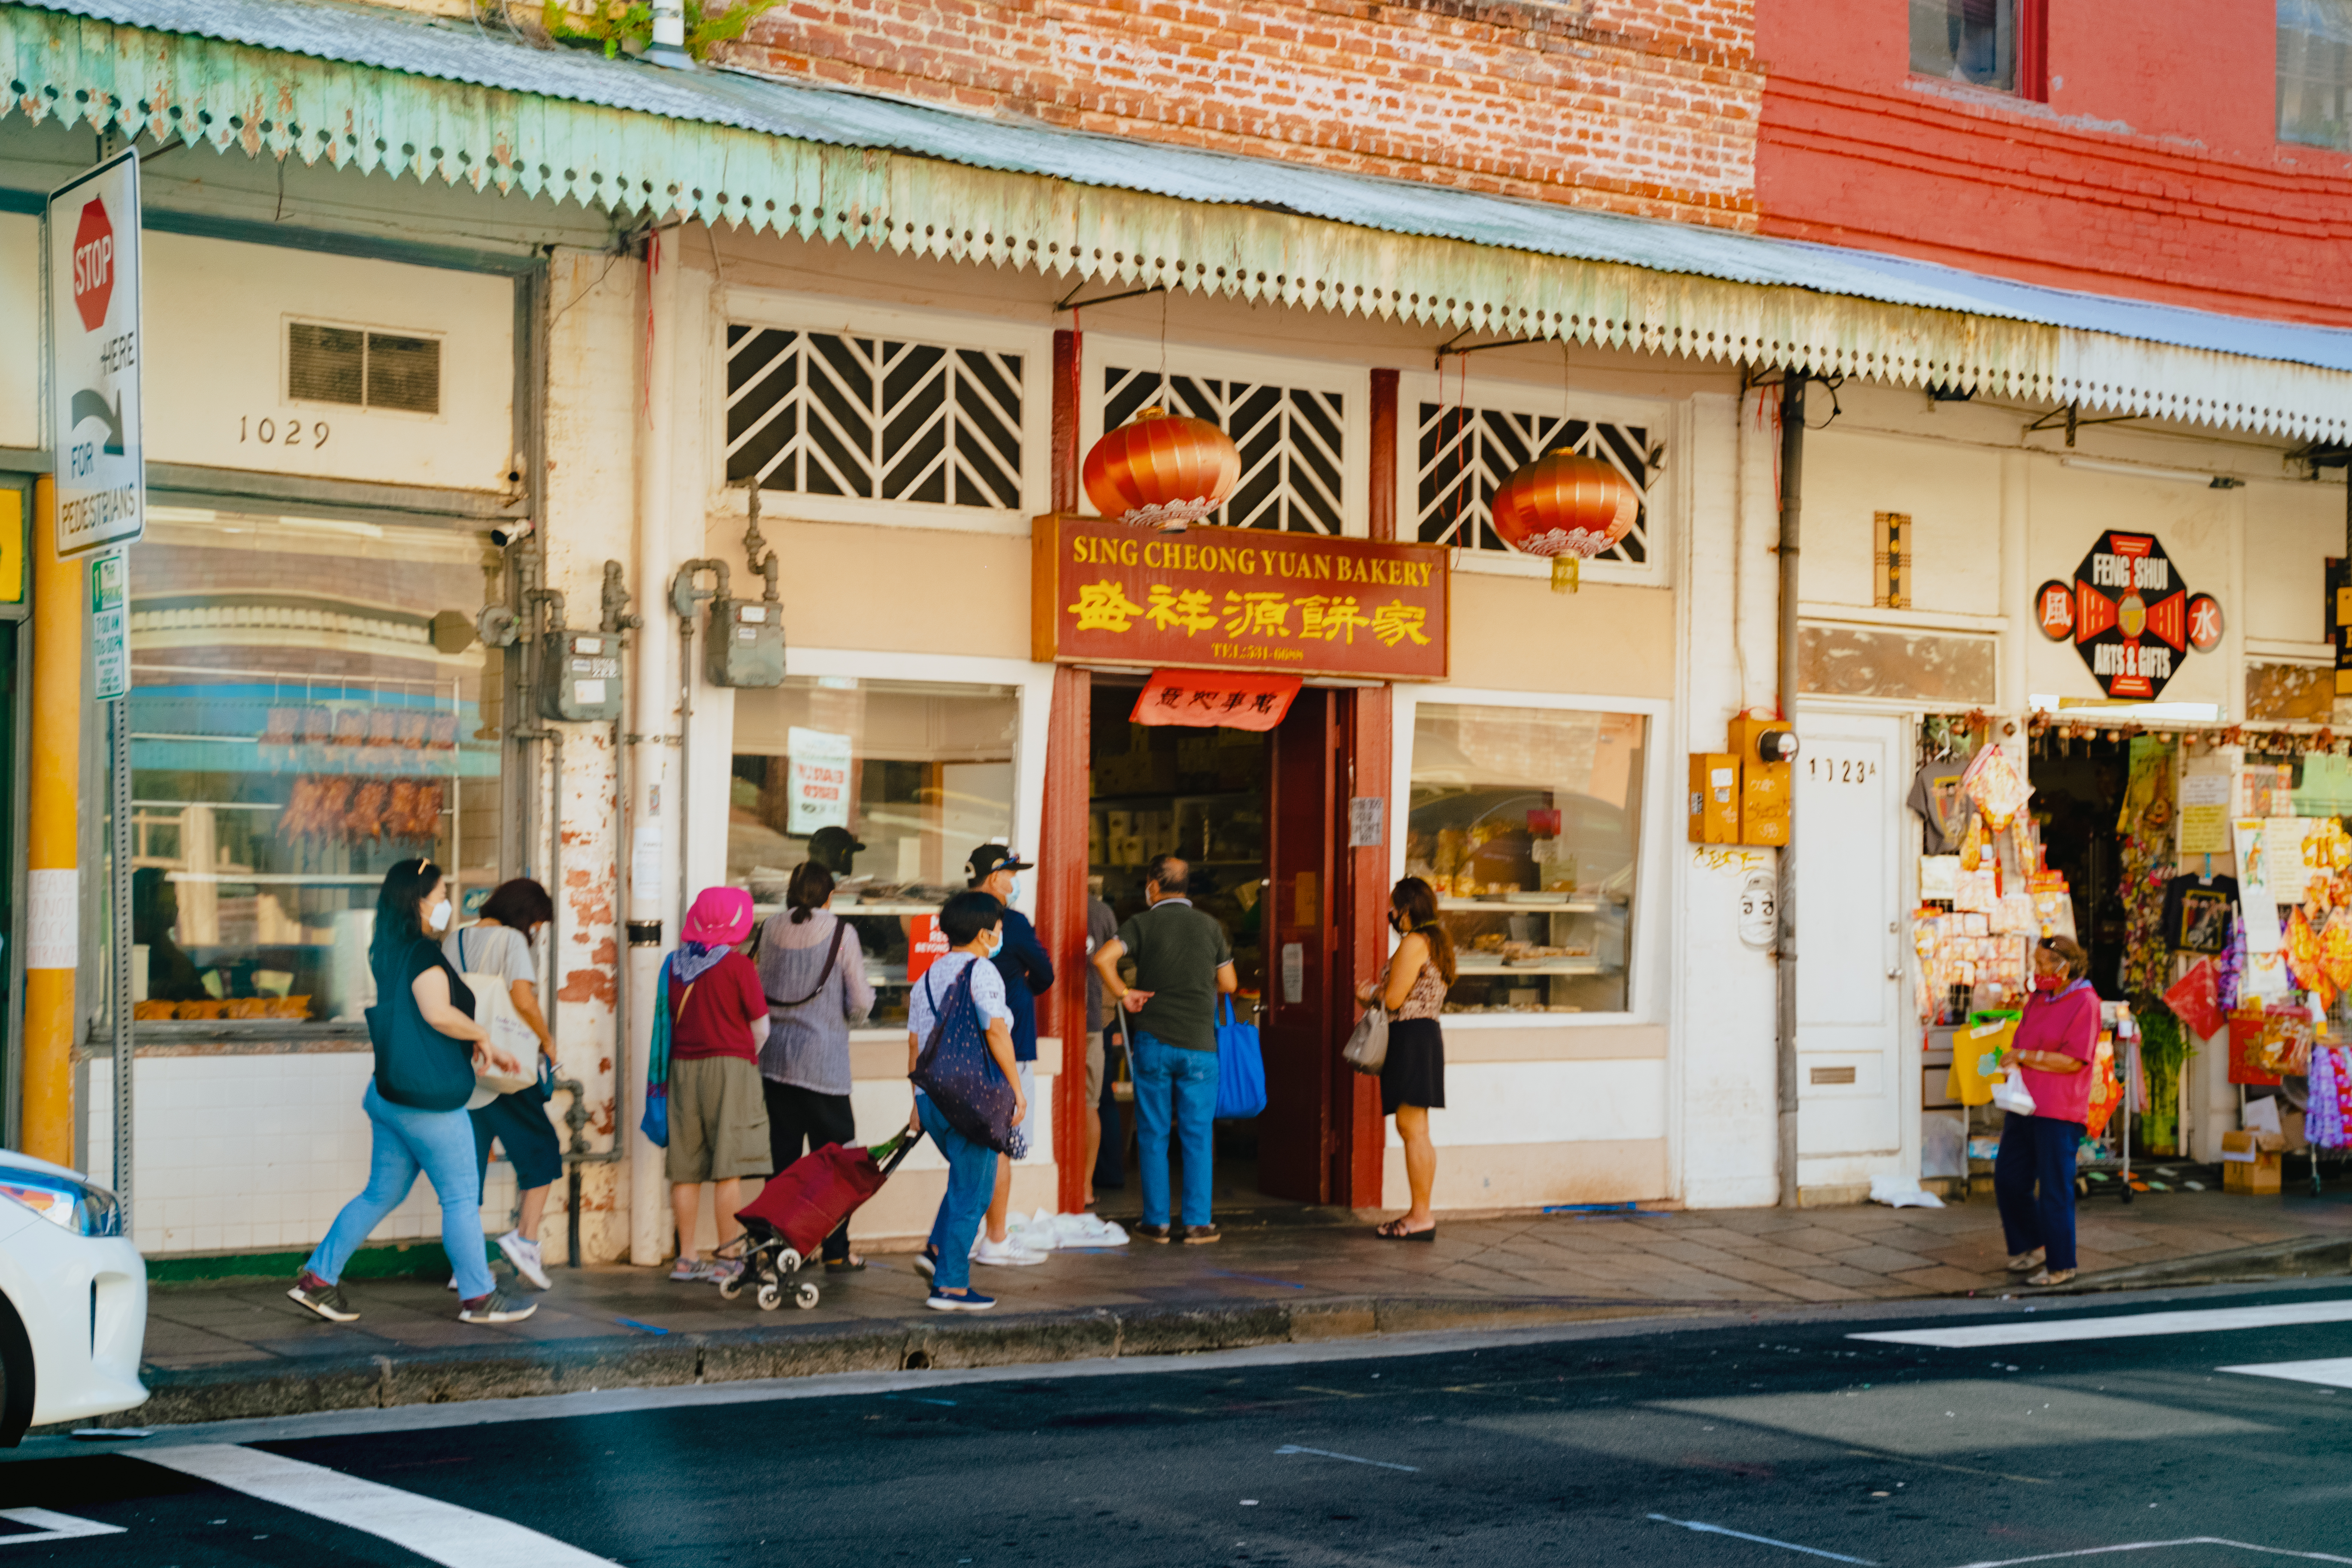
1566,507
1162,470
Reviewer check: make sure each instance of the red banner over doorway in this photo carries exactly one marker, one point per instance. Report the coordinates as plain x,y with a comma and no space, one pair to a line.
1232,699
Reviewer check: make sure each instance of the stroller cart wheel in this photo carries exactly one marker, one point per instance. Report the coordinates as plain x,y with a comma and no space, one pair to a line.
805,1297
787,1262
770,1297
731,1288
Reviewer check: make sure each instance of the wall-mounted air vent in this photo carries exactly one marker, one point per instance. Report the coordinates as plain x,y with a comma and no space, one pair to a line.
363,369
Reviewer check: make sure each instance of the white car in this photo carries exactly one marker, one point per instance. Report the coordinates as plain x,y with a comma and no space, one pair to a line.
73,1300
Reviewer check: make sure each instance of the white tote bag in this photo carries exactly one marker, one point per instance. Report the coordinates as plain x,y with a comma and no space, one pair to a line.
493,1009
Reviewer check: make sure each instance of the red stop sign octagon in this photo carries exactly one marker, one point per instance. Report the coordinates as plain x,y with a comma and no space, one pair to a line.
93,266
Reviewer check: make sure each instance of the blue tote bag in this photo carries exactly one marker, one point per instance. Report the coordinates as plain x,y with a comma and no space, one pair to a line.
1241,1066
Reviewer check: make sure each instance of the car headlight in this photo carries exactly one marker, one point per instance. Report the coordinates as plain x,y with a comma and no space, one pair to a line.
80,1207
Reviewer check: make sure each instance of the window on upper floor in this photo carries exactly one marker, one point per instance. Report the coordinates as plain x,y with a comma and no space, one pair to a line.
1974,41
2315,73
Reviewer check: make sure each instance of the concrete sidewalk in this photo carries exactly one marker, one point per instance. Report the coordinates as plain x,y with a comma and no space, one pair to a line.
243,1349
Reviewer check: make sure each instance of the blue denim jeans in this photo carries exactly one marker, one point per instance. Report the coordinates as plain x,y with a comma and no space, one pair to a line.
972,1182
1174,1087
441,1144
2033,1186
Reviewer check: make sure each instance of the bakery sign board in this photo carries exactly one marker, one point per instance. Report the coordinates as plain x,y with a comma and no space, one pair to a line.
1238,598
2129,616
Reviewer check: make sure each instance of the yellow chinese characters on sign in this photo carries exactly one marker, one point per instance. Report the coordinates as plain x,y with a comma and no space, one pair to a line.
1237,598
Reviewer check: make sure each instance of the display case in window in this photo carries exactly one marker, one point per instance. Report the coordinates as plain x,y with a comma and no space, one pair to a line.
1526,821
890,784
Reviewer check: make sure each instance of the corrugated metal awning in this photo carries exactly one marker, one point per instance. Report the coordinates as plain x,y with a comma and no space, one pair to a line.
387,90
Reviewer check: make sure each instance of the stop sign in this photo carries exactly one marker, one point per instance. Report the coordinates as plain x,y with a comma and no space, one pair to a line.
93,266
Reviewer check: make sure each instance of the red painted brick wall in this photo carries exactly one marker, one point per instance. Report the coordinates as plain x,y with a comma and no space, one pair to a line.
2152,172
1635,106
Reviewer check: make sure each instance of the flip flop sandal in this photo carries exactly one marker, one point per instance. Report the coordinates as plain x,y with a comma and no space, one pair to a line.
1394,1231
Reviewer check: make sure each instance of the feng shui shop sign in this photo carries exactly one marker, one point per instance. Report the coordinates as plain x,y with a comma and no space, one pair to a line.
1238,598
2130,616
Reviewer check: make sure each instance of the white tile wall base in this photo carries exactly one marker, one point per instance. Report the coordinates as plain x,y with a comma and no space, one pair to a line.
1547,1102
253,1154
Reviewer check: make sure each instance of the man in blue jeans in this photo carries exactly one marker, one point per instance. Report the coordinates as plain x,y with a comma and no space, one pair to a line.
1182,964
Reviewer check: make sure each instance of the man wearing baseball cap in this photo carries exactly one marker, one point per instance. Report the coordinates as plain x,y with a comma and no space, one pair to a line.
1028,974
833,848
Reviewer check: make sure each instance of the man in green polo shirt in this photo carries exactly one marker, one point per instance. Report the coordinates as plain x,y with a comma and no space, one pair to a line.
1182,964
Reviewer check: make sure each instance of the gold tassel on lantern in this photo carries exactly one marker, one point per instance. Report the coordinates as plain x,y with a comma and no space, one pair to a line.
1567,574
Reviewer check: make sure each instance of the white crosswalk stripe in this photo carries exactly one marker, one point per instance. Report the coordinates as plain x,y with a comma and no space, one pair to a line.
440,1531
2138,1325
2335,1372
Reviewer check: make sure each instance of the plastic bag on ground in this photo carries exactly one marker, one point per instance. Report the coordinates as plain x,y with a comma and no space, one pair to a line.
1046,1231
1901,1192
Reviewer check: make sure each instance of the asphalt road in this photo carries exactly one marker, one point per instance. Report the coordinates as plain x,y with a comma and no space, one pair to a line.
1771,1441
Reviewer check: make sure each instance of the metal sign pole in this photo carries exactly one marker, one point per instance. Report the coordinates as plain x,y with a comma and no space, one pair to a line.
118,712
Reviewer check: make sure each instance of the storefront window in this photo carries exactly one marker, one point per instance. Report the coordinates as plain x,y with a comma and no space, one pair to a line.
1528,822
1965,40
890,784
295,731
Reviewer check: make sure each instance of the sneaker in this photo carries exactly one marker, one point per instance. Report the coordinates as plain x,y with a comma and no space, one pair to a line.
1005,1253
495,1307
924,1266
2026,1262
524,1256
321,1297
970,1301
689,1271
1200,1234
1159,1233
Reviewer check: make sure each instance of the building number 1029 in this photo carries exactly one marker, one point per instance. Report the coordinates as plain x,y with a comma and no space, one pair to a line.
289,432
1840,770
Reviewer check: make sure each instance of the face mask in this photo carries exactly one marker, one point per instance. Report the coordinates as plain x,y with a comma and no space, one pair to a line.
2047,983
996,946
1012,893
438,915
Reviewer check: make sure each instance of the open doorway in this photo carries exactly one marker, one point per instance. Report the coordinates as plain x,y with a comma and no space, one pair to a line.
2078,788
1205,794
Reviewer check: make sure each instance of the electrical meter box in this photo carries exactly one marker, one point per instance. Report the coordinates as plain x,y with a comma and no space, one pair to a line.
579,676
1767,779
746,643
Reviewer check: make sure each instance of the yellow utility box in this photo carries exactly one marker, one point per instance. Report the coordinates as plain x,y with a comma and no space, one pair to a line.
1714,797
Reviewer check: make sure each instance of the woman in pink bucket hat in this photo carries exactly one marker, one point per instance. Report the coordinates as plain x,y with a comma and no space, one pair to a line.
718,1112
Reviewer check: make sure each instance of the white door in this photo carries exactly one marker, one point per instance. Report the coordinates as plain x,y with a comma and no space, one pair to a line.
1849,781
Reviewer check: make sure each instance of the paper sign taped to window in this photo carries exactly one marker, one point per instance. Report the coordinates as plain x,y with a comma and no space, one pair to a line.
819,779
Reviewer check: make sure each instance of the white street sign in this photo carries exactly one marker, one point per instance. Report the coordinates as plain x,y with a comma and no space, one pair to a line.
94,332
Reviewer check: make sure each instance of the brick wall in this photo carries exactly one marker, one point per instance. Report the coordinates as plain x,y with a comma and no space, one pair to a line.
2152,171
1647,107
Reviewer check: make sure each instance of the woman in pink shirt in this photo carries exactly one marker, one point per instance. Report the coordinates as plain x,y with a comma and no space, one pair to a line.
2056,1041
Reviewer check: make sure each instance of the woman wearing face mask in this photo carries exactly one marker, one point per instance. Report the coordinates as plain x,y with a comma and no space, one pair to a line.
1413,1078
426,1045
499,943
2056,1041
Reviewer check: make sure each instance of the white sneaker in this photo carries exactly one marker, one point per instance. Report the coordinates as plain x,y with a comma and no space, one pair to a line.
524,1256
1005,1253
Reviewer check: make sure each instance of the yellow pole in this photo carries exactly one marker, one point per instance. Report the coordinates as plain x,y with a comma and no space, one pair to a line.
53,929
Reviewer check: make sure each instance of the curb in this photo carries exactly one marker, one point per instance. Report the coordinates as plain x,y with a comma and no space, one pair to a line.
573,1366
2305,1257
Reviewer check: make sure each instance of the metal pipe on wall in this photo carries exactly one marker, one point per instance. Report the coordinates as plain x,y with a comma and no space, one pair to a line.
649,1218
1793,459
52,920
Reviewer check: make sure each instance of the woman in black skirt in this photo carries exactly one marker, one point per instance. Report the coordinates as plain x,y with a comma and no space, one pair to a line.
1413,1078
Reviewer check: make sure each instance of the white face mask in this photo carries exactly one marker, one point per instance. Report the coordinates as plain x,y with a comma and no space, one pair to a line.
438,916
1012,892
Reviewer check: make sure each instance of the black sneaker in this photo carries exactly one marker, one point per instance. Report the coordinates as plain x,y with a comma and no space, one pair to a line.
1159,1233
321,1297
495,1307
1200,1234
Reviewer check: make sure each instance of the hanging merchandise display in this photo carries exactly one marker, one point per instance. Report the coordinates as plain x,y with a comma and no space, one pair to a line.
2165,1049
1996,787
2199,912
2249,1040
2196,1001
2106,1091
2146,825
1942,809
2328,1122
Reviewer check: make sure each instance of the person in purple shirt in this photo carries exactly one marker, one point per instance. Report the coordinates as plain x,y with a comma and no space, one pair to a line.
2034,1175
